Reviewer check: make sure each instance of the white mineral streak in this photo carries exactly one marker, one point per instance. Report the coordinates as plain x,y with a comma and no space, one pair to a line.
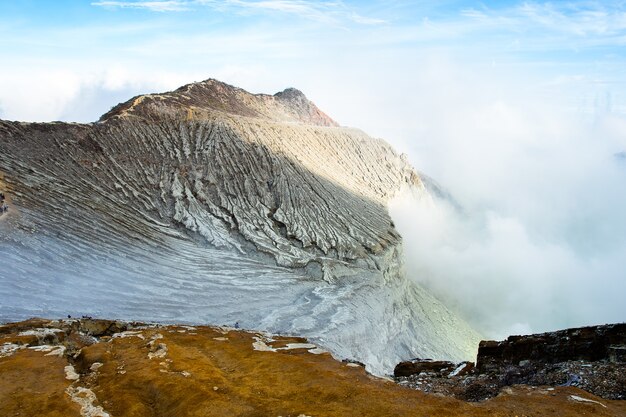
298,346
8,349
41,348
128,333
458,369
157,350
40,333
52,350
95,366
261,345
210,205
85,398
70,373
585,400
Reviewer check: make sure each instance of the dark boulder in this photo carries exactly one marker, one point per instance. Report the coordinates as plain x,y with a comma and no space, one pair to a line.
417,366
98,328
617,354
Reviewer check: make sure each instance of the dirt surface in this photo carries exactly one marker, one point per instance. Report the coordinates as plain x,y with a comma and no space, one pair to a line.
105,368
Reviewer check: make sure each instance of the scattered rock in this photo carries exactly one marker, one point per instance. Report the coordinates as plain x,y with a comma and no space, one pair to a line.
85,398
8,349
95,366
70,373
353,363
589,358
462,369
100,328
417,366
617,354
478,391
43,336
157,350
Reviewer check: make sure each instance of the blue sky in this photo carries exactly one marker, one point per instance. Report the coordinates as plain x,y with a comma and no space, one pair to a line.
112,48
517,107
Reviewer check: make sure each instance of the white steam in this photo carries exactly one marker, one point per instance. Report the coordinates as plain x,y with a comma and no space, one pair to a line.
532,233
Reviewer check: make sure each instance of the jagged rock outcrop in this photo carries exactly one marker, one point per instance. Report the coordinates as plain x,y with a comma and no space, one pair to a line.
211,204
290,105
589,358
592,343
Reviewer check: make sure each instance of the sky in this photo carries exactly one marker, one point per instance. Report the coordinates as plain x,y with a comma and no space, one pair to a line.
516,108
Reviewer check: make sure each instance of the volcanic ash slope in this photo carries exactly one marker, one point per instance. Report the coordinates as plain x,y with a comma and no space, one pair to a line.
213,205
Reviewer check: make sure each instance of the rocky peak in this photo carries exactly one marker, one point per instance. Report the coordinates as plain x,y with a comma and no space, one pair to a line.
291,94
304,109
211,95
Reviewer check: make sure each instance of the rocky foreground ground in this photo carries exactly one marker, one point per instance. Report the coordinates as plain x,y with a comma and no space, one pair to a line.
108,368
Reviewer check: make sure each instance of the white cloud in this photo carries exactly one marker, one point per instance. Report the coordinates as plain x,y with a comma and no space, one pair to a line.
315,10
155,6
366,20
306,9
37,98
540,239
578,19
80,95
325,12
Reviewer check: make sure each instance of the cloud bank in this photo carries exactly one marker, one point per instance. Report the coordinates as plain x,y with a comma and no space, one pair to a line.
531,235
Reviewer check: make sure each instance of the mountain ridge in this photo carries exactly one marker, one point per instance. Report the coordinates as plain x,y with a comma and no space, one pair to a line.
289,105
173,210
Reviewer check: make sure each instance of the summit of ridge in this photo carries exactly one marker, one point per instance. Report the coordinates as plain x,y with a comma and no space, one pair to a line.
289,105
290,94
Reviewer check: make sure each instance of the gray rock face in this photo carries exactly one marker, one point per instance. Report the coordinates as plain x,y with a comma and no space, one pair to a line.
211,204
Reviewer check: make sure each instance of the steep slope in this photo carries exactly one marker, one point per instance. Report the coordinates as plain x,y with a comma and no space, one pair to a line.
213,205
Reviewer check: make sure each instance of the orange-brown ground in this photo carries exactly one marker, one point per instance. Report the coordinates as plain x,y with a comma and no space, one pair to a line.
204,371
